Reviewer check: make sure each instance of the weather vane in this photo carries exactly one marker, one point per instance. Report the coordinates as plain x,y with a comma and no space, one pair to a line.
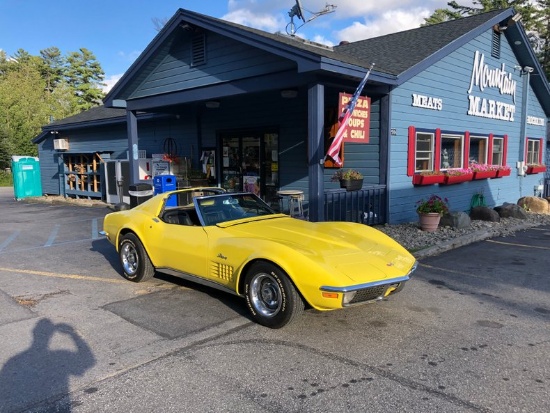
298,11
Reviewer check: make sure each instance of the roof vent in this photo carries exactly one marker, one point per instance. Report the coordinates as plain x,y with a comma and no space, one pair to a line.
198,49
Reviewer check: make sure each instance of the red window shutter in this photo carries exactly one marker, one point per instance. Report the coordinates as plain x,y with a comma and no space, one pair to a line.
490,150
541,142
505,149
412,151
437,150
465,161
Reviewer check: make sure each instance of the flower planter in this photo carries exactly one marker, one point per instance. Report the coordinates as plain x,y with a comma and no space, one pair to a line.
351,184
503,172
484,174
429,222
456,179
535,169
420,179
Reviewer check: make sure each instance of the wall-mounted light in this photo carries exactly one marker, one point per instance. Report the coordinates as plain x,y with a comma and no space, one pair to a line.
212,104
289,93
517,42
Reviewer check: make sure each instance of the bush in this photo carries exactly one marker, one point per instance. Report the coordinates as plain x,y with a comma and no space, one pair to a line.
6,178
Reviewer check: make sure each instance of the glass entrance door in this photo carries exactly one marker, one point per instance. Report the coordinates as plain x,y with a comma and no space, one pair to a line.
249,163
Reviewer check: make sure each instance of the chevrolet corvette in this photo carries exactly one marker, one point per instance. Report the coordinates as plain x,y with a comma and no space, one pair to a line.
237,243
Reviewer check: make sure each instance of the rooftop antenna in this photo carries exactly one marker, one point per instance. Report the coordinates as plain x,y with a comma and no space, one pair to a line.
298,11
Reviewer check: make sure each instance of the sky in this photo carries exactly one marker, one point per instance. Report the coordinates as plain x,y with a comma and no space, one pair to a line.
117,31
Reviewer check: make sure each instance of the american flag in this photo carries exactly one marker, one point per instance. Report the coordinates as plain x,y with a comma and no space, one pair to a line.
334,150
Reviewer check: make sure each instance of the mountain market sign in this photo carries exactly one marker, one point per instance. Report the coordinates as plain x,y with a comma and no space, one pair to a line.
484,77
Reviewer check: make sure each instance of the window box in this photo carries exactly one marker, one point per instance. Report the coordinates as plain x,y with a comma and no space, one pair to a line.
419,179
484,174
535,169
456,179
503,172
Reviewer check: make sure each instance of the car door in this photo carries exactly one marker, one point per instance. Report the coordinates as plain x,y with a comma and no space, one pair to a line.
182,248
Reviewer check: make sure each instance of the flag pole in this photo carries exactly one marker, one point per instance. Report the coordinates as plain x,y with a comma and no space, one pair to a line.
336,145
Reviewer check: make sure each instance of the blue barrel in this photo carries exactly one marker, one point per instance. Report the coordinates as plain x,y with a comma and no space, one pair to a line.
166,183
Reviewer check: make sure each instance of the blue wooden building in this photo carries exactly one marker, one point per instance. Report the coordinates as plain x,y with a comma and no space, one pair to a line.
257,111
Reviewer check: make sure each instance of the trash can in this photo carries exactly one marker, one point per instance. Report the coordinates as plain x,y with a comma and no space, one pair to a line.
139,193
166,183
26,177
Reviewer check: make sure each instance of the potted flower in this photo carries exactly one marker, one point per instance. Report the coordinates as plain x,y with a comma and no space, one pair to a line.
457,175
483,170
535,168
430,212
428,178
503,170
350,179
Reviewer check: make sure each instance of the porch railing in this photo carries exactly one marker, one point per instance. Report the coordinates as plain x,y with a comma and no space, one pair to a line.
365,206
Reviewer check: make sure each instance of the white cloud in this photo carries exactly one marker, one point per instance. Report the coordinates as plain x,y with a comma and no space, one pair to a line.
110,82
268,22
387,22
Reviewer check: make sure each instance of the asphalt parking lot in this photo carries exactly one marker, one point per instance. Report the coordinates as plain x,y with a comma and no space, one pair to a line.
469,333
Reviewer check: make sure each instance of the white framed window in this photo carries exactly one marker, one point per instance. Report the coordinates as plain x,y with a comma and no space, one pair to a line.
533,155
424,152
452,151
498,151
478,149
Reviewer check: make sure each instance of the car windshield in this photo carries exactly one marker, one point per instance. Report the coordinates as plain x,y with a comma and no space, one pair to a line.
228,207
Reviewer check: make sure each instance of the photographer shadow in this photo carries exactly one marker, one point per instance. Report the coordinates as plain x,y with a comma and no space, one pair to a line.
40,375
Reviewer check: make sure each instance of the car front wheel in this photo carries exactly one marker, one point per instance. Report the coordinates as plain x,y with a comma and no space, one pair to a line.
134,259
271,297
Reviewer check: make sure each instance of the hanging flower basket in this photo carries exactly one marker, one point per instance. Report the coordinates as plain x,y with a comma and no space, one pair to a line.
420,179
484,174
535,169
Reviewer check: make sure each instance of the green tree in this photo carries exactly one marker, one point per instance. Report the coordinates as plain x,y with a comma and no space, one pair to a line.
85,76
540,37
53,67
23,109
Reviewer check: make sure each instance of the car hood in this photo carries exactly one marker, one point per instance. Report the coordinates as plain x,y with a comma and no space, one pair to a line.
349,248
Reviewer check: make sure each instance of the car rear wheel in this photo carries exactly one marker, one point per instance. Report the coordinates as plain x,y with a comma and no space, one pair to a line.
134,259
271,296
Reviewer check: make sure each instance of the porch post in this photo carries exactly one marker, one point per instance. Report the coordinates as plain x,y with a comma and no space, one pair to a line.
131,122
315,151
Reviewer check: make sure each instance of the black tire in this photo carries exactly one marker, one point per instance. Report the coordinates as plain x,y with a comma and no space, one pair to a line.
271,297
135,262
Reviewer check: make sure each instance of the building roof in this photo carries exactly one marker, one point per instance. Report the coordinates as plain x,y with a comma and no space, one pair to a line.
397,57
398,52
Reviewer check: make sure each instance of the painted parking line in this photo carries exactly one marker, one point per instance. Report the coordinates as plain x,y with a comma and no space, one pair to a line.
52,236
518,245
65,276
95,231
58,244
91,278
9,240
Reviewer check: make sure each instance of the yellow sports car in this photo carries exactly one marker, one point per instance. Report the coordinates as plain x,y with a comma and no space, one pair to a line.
237,243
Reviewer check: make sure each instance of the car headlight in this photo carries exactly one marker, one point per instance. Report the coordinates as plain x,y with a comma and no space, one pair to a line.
348,297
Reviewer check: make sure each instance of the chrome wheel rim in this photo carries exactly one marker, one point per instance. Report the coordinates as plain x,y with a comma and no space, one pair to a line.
266,294
129,256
